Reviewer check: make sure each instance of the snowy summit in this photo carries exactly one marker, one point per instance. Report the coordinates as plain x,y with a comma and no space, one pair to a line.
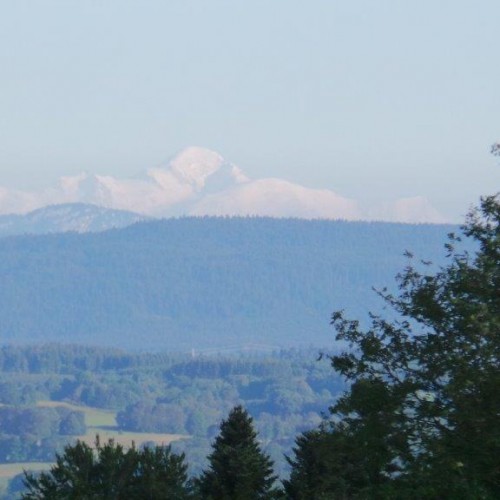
199,181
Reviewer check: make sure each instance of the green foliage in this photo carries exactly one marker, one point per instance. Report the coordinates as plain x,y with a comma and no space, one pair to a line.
238,469
41,422
326,465
285,391
110,471
11,394
150,417
73,424
33,433
421,417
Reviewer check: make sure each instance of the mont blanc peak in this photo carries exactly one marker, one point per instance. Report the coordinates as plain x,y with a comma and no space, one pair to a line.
199,181
195,164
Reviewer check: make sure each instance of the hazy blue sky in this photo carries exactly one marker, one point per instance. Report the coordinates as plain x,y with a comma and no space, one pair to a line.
372,99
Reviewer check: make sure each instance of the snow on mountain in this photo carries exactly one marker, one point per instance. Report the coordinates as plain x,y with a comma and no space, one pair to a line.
412,210
194,165
14,201
198,181
77,217
277,198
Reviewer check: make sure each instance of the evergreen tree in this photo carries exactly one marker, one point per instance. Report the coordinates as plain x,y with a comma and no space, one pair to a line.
71,477
161,474
111,472
238,469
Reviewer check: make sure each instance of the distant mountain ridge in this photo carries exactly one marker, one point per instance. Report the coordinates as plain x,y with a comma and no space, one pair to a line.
77,217
202,282
198,181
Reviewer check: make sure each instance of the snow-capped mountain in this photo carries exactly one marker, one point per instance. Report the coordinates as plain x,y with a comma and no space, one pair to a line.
277,198
199,181
78,217
414,210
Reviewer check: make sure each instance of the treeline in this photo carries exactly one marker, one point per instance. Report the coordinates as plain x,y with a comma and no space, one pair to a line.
34,433
188,283
71,358
286,392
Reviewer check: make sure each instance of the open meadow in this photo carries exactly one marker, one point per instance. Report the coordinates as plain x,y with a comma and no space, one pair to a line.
99,422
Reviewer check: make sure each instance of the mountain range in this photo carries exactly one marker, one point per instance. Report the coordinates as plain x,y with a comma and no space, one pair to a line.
76,217
202,282
198,181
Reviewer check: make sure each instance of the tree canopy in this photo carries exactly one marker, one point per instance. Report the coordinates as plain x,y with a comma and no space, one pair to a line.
111,471
238,469
421,417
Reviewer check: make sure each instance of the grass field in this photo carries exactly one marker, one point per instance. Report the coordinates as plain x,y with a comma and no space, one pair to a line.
94,417
98,421
10,470
103,422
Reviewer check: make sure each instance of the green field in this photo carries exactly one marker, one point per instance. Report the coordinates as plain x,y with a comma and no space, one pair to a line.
10,470
94,417
98,421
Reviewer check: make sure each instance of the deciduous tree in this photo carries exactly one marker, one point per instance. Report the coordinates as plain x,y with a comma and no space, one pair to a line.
423,407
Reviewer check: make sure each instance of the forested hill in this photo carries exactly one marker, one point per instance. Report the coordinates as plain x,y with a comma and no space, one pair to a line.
200,283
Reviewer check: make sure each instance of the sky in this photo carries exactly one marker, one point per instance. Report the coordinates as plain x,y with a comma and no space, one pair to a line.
373,100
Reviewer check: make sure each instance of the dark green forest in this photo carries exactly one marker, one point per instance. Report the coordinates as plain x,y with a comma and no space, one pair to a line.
200,283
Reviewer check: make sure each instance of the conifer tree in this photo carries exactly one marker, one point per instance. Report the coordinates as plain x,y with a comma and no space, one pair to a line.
112,472
238,469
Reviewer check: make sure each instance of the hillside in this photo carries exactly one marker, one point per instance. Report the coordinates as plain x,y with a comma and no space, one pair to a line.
78,217
198,283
